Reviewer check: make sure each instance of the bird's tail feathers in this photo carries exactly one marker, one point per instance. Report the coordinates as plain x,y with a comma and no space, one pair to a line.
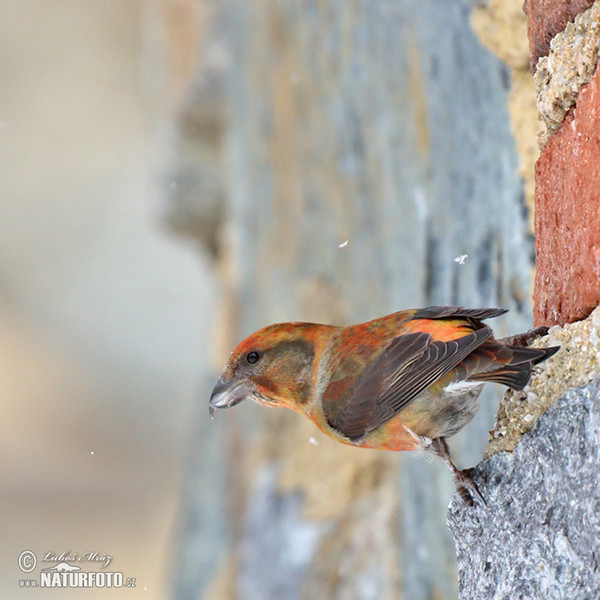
521,355
517,372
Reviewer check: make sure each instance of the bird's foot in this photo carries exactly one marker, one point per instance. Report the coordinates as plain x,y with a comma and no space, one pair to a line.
523,339
465,486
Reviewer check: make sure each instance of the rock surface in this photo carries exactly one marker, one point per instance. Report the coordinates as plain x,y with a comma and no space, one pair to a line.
567,219
537,536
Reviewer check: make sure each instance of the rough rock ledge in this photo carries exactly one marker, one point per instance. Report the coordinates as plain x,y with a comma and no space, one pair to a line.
538,535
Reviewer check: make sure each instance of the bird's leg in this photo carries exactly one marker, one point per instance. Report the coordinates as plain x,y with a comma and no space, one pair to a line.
523,339
465,486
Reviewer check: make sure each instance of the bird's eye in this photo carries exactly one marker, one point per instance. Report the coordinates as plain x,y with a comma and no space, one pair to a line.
252,357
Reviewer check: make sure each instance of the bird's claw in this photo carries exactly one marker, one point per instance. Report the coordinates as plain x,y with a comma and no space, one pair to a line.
524,339
465,486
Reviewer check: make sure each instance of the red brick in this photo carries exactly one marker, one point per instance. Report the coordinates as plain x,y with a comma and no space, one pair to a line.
567,215
545,18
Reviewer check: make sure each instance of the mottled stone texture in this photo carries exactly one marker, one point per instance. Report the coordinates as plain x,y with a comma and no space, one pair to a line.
567,221
545,18
382,124
537,536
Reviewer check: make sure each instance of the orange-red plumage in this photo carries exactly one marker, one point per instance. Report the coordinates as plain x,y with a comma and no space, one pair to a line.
404,381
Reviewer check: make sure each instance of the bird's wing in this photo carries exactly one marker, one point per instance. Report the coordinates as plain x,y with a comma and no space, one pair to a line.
409,365
445,312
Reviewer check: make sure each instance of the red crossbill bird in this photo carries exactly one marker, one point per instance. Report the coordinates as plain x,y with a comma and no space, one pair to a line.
406,381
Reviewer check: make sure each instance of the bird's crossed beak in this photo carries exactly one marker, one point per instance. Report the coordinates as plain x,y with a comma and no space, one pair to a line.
228,393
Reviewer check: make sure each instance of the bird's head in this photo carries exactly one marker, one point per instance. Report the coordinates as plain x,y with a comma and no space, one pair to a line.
273,367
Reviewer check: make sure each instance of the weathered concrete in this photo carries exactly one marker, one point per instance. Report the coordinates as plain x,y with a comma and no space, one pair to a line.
570,65
545,18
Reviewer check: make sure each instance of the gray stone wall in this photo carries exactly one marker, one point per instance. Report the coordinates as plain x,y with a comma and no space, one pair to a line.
537,536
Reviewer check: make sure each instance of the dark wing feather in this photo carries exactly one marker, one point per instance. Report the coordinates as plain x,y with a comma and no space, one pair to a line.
408,366
445,312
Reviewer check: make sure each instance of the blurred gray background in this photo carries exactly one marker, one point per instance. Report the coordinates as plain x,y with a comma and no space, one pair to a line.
178,173
104,314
